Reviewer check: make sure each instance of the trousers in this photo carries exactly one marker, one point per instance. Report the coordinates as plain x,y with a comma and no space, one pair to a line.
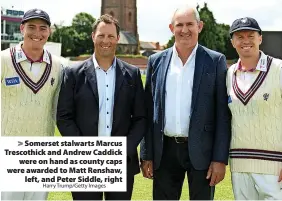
24,195
251,186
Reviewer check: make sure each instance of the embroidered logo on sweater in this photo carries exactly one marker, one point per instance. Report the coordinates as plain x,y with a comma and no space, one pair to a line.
265,96
52,81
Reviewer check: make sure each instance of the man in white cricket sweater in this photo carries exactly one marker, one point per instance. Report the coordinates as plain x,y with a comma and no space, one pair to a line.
254,87
30,84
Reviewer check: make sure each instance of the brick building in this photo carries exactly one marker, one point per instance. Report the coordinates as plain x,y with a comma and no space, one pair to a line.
125,11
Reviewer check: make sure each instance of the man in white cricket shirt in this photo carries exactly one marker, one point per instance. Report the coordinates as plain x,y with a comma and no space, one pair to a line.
254,87
30,84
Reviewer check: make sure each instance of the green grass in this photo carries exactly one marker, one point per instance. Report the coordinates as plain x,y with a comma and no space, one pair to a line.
143,187
143,77
143,190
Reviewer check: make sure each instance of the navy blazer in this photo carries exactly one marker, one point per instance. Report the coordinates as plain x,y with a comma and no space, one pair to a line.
210,124
78,106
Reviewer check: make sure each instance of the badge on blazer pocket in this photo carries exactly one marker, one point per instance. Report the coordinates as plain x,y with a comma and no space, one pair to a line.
10,81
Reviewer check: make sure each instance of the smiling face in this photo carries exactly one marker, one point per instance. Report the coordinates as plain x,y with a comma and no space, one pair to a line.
246,43
186,28
105,40
35,33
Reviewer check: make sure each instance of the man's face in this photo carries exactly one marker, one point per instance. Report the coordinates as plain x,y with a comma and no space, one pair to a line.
186,28
35,33
105,40
246,43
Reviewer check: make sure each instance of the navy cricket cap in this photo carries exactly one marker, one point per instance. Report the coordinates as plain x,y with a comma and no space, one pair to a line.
246,23
36,14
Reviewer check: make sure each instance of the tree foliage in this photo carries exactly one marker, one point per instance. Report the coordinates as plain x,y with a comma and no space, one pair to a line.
76,39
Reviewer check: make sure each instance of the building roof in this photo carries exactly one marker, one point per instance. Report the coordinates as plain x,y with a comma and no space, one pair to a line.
147,45
144,45
127,38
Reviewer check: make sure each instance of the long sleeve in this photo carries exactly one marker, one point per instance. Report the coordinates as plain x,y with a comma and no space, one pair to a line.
223,115
146,151
139,124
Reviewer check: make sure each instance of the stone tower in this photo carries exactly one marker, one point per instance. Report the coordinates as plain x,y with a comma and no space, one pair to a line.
125,11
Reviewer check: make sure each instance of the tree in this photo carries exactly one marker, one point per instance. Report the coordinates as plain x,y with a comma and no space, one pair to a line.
76,39
170,42
64,35
209,36
228,50
82,23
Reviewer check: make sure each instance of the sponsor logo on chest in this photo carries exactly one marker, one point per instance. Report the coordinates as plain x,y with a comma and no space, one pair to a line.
10,81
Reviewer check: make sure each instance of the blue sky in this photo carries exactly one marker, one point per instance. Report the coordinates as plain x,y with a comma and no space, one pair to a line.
154,15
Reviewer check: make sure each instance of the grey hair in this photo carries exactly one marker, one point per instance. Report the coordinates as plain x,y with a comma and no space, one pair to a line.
195,11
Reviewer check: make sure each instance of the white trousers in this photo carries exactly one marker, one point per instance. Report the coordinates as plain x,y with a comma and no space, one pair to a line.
250,186
24,195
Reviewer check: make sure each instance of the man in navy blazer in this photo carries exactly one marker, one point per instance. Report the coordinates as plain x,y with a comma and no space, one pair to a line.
103,96
188,114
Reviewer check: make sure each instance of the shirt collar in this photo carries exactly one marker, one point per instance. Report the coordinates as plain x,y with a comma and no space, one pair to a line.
261,65
20,55
96,65
192,53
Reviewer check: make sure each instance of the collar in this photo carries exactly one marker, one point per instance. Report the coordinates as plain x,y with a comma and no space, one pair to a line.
20,55
174,51
96,65
261,65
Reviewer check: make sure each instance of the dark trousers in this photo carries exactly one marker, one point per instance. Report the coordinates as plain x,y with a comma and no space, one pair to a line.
169,177
107,195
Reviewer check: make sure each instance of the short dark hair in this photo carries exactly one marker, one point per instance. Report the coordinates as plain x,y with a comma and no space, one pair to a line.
108,19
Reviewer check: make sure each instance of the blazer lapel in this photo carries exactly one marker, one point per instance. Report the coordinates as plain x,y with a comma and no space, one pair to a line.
90,73
167,58
120,71
199,66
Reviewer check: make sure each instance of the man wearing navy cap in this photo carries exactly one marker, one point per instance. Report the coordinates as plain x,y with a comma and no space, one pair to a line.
254,86
30,83
36,14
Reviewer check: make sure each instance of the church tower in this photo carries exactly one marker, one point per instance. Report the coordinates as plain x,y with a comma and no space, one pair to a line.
125,11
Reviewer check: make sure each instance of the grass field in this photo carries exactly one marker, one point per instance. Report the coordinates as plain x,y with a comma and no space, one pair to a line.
143,187
143,79
143,190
